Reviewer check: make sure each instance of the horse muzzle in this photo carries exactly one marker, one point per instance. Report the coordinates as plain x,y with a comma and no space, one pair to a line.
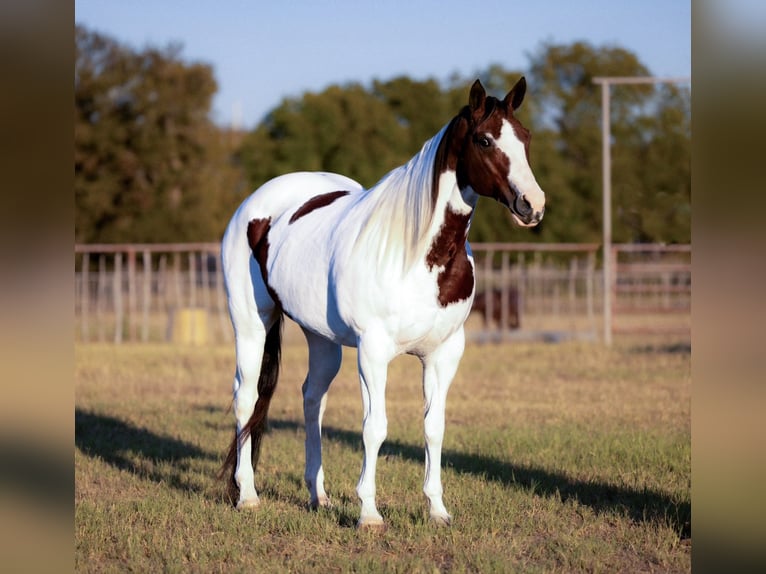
524,213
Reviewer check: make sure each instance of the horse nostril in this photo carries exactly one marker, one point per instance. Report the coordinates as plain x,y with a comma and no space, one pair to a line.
523,207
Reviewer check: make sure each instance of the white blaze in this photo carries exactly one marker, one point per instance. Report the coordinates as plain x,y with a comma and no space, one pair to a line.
520,177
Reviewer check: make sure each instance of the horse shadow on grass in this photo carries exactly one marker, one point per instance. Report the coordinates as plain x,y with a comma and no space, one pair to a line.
125,446
139,450
642,505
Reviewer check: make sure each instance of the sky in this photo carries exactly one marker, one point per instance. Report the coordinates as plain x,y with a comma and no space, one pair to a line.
264,51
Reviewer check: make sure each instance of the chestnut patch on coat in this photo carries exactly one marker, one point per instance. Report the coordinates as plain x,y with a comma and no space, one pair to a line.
315,203
447,250
485,169
258,239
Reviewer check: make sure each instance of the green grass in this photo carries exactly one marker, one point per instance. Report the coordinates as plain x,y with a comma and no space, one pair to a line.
557,458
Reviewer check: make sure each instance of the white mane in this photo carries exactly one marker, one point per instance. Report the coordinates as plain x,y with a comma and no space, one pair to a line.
399,209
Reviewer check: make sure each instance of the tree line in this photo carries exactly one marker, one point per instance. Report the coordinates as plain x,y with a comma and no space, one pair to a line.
150,165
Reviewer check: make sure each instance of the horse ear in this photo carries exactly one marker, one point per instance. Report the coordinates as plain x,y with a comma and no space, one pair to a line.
477,96
516,95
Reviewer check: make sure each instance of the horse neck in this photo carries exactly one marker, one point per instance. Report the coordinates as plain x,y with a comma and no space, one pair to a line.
447,197
404,212
397,213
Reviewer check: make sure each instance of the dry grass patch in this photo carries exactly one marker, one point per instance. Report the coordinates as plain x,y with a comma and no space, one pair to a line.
564,457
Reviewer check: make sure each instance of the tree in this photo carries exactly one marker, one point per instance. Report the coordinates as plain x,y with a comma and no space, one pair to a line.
651,139
364,133
142,144
342,129
150,166
421,107
652,171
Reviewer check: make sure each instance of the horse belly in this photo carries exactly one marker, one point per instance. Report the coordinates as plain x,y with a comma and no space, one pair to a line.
300,274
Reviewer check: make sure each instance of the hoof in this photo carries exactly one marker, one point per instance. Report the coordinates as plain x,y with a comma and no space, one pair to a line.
321,503
371,524
249,504
441,521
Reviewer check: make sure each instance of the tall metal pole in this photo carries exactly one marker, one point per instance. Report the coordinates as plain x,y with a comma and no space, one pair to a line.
606,171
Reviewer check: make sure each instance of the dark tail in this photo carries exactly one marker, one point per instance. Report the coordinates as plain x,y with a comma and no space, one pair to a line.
255,427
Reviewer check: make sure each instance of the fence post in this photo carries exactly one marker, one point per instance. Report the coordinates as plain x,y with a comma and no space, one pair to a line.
522,287
101,290
147,263
504,302
573,264
204,258
589,287
221,304
85,295
192,281
132,334
612,289
162,282
117,290
177,279
488,287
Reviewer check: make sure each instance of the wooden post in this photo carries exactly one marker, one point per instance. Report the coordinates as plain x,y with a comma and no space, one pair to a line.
117,290
177,280
589,283
522,287
204,257
147,295
504,286
537,283
612,288
101,297
192,281
162,283
132,331
221,304
556,305
207,289
85,296
572,285
488,286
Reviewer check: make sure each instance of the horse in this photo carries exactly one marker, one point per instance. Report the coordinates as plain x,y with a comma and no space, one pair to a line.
481,304
387,270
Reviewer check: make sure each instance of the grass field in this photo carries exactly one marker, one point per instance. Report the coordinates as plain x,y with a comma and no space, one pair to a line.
557,458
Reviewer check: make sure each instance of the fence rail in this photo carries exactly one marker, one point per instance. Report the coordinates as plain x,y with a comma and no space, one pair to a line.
175,292
654,281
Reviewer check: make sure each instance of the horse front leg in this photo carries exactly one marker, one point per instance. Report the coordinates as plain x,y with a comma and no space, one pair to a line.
373,365
439,369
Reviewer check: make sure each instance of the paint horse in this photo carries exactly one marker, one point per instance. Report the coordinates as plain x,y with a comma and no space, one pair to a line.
387,270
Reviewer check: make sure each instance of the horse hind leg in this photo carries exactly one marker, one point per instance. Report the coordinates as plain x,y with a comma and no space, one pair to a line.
258,354
324,363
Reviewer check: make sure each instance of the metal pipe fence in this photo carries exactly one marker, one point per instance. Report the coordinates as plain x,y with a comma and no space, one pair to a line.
175,292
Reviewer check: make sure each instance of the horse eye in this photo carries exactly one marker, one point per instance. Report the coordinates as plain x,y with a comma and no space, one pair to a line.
484,141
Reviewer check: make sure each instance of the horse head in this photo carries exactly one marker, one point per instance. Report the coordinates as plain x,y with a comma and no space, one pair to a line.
493,153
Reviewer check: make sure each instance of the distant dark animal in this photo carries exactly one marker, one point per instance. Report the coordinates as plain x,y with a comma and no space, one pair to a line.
480,304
